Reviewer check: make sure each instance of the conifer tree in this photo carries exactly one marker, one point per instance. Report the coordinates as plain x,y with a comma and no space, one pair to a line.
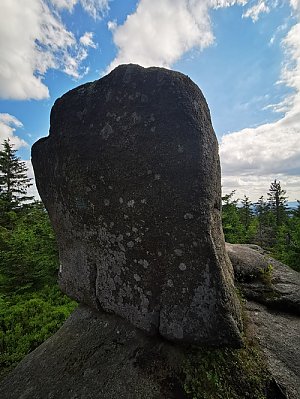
277,202
14,181
246,212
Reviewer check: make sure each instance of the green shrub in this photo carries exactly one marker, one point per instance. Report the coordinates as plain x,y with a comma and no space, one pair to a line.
28,320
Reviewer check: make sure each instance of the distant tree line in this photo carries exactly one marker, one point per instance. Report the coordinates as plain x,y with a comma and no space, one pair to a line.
269,223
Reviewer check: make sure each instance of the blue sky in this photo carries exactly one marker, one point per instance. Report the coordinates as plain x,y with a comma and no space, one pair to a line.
244,55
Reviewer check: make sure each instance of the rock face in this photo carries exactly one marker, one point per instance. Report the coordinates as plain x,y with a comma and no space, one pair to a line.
130,177
278,336
273,293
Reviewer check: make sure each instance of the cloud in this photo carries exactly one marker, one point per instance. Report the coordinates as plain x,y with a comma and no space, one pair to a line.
96,8
255,11
67,4
34,39
8,126
160,32
87,40
252,156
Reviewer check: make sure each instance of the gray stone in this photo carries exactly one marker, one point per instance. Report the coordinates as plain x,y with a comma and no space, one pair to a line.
248,261
96,355
265,279
278,336
130,177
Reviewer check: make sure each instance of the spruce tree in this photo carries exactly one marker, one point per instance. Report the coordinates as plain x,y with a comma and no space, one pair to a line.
277,202
14,181
246,212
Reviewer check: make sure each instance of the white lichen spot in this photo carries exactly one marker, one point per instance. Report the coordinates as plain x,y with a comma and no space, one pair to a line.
144,98
143,201
159,253
106,131
110,187
180,148
182,267
157,176
178,252
134,229
60,268
137,277
121,200
106,202
138,239
144,263
136,118
128,234
130,203
188,216
130,244
122,248
170,283
153,129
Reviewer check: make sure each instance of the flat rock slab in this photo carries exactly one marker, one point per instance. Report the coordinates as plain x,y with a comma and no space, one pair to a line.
264,279
278,335
130,177
96,356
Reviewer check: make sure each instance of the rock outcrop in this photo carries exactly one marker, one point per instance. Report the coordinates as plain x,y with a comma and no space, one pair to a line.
278,336
96,355
272,291
130,177
265,279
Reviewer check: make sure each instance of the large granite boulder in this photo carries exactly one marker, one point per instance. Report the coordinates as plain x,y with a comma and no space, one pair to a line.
130,177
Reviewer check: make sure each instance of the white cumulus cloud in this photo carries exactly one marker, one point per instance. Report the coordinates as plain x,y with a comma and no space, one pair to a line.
160,32
34,39
8,126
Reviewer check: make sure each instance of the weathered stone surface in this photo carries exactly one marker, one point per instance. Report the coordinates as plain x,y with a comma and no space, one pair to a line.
131,180
264,279
96,355
248,261
278,335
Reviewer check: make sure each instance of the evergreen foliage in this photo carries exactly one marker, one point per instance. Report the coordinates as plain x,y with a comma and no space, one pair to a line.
277,202
31,306
14,181
269,224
